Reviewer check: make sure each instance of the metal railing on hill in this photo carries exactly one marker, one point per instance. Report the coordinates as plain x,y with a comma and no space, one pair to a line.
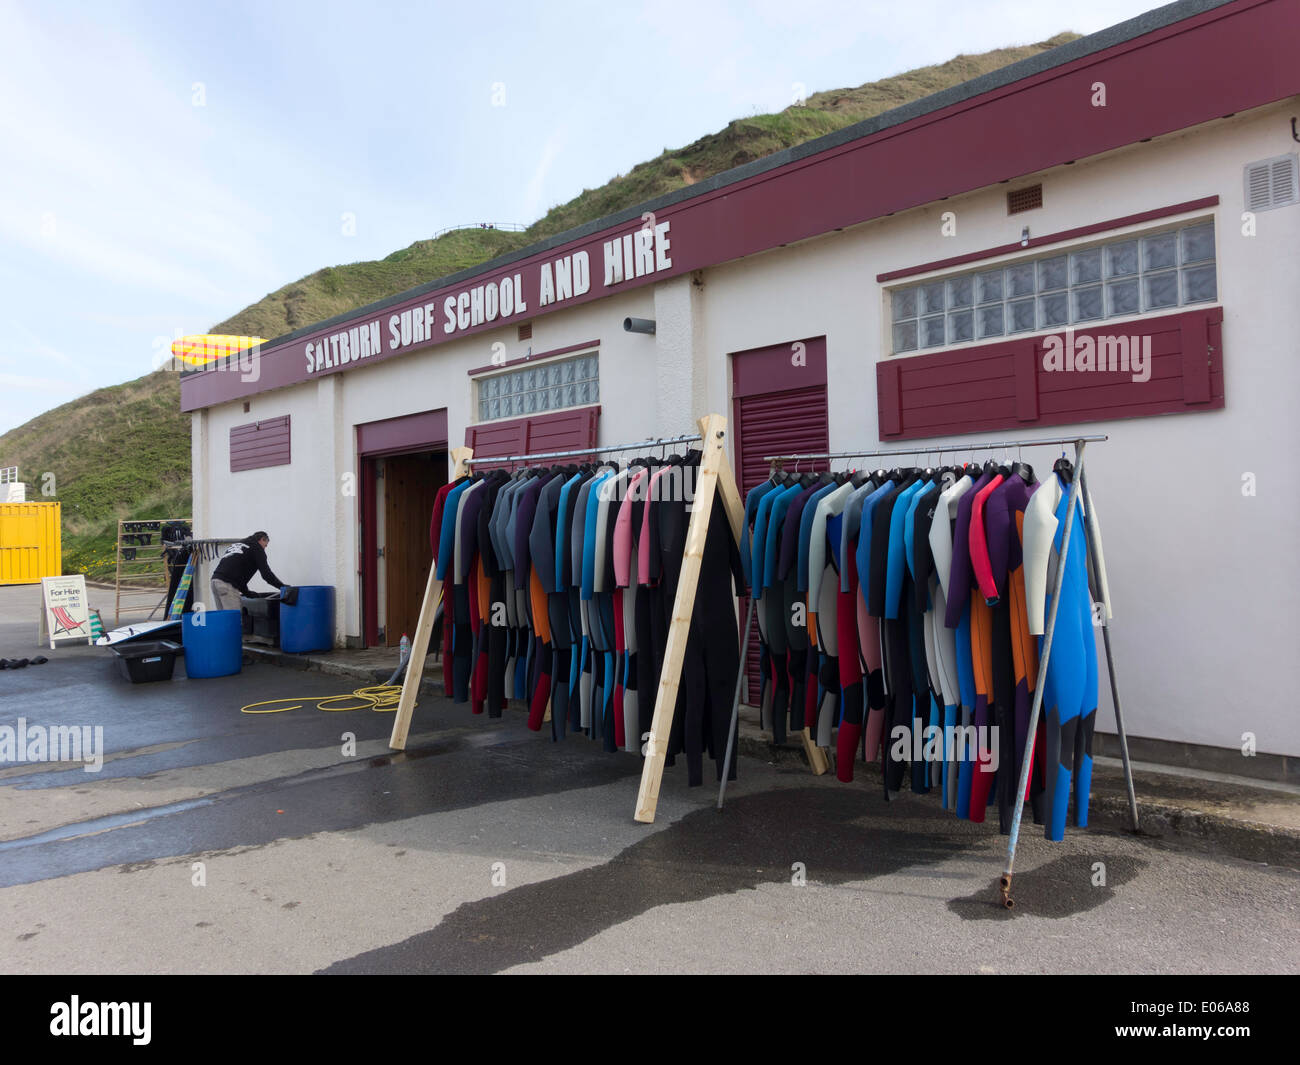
509,227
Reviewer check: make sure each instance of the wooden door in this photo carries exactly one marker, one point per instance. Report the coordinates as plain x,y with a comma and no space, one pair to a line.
410,484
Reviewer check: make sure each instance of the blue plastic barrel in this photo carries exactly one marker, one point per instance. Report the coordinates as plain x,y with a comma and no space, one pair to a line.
213,642
308,625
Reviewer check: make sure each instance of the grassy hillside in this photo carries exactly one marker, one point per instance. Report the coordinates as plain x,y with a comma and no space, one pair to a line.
747,139
119,452
124,452
337,289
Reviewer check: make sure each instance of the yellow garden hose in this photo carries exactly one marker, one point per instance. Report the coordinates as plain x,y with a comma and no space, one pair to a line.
380,698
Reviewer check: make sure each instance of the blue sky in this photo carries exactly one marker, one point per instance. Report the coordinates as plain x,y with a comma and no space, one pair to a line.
163,165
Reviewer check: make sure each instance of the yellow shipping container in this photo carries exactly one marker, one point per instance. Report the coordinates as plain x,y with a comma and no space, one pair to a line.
31,542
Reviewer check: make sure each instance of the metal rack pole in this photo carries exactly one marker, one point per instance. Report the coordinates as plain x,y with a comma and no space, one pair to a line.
1049,631
991,445
658,442
1092,537
735,702
117,581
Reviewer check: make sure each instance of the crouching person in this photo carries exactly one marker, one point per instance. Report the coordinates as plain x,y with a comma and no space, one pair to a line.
237,566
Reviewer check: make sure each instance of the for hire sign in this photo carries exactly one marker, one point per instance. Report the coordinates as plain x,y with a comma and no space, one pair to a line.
643,252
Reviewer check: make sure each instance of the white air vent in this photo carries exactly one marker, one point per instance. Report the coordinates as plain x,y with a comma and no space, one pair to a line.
1272,183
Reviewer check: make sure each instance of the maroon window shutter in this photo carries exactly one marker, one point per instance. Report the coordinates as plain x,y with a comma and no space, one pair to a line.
258,444
565,430
888,399
1026,360
1006,385
1196,360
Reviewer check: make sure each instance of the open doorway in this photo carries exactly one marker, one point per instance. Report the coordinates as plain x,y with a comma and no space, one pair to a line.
397,502
403,463
409,485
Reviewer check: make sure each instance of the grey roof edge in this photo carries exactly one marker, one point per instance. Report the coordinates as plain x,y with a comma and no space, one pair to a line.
1119,33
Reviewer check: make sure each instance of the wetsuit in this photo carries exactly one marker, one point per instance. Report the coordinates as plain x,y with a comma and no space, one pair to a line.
1070,685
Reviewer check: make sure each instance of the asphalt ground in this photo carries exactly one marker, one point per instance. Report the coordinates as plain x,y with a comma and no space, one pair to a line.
218,842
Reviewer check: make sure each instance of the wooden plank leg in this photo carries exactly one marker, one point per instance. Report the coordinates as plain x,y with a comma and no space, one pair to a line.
816,756
713,433
420,642
415,664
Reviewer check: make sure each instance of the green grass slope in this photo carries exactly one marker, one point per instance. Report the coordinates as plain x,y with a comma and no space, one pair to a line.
124,452
119,452
337,289
747,139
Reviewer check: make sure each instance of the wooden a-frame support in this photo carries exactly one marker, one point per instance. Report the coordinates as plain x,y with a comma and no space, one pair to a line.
715,475
460,457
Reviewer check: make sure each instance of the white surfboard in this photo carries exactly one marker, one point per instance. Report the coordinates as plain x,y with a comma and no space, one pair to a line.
143,630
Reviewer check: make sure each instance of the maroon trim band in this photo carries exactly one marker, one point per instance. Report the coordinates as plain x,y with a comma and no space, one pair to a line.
533,358
1023,128
1053,238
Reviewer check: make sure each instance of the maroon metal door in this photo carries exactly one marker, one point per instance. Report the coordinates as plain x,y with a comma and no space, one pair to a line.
779,406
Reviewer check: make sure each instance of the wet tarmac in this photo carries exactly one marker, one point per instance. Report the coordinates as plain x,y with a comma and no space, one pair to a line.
215,841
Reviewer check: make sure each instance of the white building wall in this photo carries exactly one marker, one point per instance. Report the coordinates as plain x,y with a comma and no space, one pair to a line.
289,502
310,507
1205,629
681,357
1204,587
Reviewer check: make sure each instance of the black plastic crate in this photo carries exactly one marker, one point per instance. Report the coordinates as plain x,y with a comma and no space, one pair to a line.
261,616
147,660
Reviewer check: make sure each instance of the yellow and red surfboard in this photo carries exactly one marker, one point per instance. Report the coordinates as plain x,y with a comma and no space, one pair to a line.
207,348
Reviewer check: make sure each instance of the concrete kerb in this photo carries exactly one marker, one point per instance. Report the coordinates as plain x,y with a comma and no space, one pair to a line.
430,684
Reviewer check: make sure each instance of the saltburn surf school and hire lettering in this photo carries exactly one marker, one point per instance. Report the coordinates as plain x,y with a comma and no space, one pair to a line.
640,253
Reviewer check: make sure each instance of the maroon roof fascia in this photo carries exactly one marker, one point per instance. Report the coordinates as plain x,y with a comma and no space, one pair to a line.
1207,66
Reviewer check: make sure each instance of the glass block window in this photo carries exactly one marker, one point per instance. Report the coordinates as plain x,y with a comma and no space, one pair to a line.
1171,268
572,382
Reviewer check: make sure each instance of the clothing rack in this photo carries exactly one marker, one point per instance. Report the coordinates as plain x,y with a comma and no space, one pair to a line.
715,475
202,549
205,548
713,470
463,459
934,449
1078,486
662,441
